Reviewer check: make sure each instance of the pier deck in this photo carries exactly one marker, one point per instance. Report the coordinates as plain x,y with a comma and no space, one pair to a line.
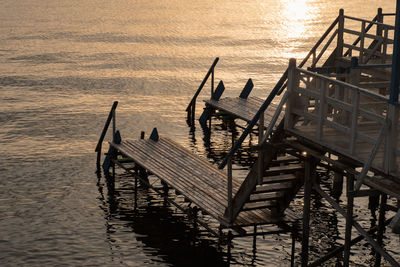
194,177
244,109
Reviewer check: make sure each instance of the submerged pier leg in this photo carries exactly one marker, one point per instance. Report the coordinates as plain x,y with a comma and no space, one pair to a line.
337,187
381,227
308,182
230,237
255,239
349,219
136,192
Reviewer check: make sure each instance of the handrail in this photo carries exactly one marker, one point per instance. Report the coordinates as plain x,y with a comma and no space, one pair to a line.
359,38
103,133
279,87
317,44
255,119
373,21
344,84
211,70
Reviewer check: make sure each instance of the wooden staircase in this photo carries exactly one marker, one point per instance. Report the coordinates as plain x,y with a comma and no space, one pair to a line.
273,190
279,185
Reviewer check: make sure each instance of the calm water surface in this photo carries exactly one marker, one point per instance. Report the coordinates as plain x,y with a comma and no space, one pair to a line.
63,63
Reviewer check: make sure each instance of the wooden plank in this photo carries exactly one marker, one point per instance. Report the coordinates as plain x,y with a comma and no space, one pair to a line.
266,196
283,169
197,195
278,186
244,109
192,176
184,171
280,178
259,205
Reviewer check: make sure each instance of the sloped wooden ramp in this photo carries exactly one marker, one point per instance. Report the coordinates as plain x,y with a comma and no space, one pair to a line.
194,177
244,108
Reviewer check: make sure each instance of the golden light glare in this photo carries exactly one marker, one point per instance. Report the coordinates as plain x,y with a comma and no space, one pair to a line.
295,13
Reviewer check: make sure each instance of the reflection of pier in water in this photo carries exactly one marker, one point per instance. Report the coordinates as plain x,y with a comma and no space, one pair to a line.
165,231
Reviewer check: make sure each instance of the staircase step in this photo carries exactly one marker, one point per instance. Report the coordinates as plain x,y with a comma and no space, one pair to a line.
266,196
279,178
273,187
283,169
259,205
285,159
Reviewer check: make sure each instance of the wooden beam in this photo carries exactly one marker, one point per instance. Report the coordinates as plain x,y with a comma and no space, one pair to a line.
395,77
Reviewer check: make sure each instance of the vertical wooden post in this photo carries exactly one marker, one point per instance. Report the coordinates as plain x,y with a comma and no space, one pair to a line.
337,187
349,219
381,227
339,48
230,237
98,160
260,151
308,181
136,191
230,189
354,122
391,140
193,114
255,238
292,82
362,42
322,109
385,44
212,84
293,234
379,28
113,126
395,77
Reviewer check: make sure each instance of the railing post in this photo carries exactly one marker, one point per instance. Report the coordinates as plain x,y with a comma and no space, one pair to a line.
230,189
103,134
362,41
354,120
113,126
379,27
292,81
391,140
339,49
212,84
385,44
395,78
322,109
191,108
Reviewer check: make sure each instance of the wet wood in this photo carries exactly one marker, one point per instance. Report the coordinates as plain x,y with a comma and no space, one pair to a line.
192,176
244,109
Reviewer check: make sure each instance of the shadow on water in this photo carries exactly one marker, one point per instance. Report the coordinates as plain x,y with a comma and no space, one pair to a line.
170,235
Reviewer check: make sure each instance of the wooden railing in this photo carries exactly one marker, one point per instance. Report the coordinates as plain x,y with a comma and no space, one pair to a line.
350,120
315,55
191,108
377,45
111,117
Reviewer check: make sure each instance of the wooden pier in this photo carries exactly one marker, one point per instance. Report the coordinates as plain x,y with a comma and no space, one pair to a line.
199,181
338,109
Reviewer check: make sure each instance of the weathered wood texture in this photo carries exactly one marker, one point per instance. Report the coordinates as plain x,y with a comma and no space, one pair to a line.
194,177
345,118
244,109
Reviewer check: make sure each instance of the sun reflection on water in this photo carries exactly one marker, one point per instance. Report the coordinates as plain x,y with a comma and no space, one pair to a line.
297,16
